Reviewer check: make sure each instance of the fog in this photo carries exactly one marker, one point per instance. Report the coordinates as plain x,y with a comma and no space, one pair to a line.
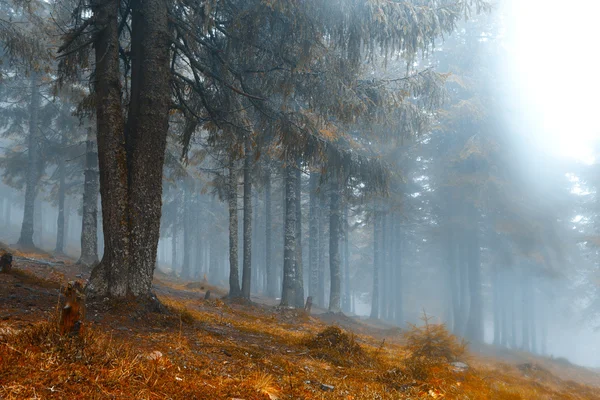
453,175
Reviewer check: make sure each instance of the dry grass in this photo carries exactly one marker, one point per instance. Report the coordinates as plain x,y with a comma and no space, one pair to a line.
215,349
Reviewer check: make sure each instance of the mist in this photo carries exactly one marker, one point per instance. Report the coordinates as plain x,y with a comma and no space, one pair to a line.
399,163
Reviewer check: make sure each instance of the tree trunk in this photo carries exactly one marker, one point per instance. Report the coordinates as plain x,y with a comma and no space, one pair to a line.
33,166
525,316
346,296
131,161
109,277
475,322
334,247
187,229
247,262
496,304
89,220
289,246
232,199
299,288
60,223
313,244
271,276
399,287
376,264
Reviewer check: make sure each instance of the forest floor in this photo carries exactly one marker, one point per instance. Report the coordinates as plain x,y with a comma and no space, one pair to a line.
219,349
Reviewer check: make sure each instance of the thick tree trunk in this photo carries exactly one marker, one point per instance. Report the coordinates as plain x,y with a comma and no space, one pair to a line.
313,244
247,262
89,220
131,162
148,123
109,277
289,245
232,200
33,165
299,288
334,247
376,264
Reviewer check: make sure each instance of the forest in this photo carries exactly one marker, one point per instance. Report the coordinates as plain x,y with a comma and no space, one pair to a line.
280,199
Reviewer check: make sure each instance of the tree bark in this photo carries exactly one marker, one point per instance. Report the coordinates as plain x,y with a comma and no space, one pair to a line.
313,240
346,244
60,223
247,261
299,289
33,169
334,247
187,230
271,276
131,160
89,220
109,277
399,287
376,264
289,245
232,200
322,215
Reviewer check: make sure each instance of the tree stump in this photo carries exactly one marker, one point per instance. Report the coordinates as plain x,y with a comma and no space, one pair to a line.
73,310
6,262
308,305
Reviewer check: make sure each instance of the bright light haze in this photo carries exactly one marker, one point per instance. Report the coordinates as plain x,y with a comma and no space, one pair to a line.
554,54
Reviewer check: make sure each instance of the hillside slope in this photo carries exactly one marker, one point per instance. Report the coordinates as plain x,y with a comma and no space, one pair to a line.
217,349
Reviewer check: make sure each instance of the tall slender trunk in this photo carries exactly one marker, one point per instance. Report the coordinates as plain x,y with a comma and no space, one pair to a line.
60,223
496,304
232,200
270,271
322,214
174,232
384,303
299,279
247,262
8,211
313,244
513,312
33,165
463,282
289,245
533,320
525,316
334,247
61,174
89,220
475,322
376,264
187,230
504,294
346,249
398,246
